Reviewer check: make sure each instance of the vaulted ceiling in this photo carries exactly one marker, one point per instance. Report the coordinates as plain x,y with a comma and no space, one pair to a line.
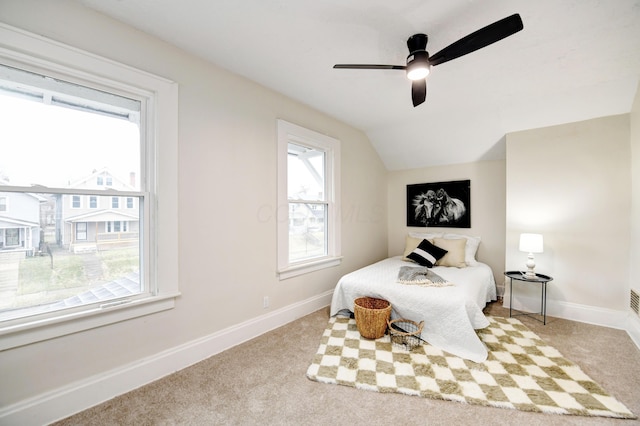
574,60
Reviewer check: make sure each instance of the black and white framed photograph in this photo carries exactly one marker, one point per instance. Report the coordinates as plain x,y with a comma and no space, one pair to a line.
439,204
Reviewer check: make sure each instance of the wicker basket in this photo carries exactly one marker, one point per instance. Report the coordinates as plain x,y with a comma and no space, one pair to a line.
371,316
405,332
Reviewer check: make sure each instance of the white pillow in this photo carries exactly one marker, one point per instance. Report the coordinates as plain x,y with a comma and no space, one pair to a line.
470,249
426,236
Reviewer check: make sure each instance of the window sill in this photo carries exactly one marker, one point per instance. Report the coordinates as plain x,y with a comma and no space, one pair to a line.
305,268
40,329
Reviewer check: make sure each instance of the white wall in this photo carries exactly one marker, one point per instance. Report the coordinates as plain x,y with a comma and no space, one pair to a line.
634,271
571,183
487,207
633,325
227,221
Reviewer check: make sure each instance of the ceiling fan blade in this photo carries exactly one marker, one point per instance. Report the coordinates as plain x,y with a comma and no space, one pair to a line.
418,91
479,39
369,67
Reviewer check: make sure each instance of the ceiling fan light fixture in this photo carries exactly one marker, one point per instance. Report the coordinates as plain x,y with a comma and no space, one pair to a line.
417,73
418,65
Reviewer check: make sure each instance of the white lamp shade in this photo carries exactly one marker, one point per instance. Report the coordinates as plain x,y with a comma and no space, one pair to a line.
531,243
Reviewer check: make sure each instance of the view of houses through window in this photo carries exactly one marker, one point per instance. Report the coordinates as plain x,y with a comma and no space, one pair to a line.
307,204
70,195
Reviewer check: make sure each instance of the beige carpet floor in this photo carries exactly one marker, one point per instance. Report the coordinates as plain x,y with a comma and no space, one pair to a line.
263,382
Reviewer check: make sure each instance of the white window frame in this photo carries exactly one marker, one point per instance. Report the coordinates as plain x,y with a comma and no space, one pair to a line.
292,133
159,96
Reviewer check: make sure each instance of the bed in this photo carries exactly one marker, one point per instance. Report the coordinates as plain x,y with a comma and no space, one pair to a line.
450,313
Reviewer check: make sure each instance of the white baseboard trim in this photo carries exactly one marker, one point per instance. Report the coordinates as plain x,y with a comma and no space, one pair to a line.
76,397
622,320
571,311
633,328
500,288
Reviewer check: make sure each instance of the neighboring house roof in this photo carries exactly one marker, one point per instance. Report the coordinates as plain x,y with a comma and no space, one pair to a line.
4,182
85,181
101,216
121,287
6,222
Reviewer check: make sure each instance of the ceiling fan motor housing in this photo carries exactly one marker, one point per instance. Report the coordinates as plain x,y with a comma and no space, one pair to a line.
418,60
417,42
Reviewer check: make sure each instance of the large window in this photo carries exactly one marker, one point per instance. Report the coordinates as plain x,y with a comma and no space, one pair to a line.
77,128
308,191
12,237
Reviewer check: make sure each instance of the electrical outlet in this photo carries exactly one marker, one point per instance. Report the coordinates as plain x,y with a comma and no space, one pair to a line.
265,302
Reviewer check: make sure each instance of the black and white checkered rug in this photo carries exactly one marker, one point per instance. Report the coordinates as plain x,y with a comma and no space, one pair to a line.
522,372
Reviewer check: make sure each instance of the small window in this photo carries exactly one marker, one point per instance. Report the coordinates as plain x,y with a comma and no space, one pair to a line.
129,202
75,201
308,184
99,181
109,181
115,202
93,202
3,204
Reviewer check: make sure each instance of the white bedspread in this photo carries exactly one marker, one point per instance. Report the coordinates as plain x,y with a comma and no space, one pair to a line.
450,314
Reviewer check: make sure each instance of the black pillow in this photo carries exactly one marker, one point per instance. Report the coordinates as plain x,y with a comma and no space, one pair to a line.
426,254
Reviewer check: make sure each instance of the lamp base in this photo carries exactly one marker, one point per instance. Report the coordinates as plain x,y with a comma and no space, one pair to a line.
531,264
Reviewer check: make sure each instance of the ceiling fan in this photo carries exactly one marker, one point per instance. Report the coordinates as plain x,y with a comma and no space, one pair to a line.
419,62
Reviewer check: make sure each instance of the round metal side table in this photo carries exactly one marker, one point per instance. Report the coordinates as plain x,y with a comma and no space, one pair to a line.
539,279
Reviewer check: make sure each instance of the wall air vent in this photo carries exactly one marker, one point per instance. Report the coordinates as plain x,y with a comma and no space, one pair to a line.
635,302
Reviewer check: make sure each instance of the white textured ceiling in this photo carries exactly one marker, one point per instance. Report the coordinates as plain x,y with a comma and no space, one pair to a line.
574,60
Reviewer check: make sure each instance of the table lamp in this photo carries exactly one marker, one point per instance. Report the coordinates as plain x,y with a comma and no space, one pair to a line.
531,243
